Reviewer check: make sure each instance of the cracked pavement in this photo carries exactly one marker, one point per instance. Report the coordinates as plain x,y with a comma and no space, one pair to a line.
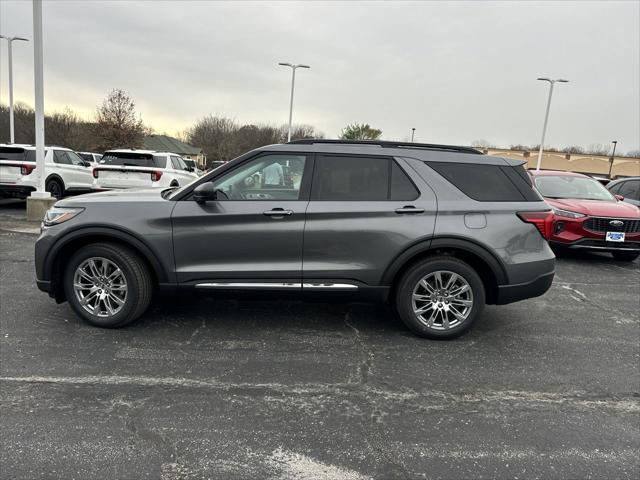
206,388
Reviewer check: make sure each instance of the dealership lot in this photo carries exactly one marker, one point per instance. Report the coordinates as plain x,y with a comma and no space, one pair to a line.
204,388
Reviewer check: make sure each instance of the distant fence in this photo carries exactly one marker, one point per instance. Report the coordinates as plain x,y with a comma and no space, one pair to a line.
574,162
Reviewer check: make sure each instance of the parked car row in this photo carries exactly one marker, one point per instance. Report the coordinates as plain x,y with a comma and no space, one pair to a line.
68,172
589,216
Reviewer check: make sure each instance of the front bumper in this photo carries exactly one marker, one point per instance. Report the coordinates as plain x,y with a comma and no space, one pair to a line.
597,245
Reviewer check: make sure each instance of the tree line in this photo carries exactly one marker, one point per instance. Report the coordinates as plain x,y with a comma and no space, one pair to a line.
116,124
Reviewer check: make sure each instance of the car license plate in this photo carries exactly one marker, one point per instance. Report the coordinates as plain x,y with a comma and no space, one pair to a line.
615,237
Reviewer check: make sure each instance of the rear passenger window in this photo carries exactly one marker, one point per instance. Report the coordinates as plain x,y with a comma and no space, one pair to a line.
61,157
351,178
485,183
346,178
402,188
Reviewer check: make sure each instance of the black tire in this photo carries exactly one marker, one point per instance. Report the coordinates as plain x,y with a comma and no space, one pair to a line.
138,281
55,188
410,280
625,256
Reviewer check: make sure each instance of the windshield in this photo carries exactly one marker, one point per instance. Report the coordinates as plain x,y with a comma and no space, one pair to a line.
582,188
133,159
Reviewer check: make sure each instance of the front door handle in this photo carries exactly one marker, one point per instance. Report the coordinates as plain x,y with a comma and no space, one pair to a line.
409,209
278,212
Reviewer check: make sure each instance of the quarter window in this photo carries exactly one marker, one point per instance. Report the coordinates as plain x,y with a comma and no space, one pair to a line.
485,183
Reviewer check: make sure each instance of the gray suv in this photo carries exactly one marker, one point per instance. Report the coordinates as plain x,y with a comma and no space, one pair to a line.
437,231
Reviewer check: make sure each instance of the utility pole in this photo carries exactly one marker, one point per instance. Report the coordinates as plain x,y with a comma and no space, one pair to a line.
10,41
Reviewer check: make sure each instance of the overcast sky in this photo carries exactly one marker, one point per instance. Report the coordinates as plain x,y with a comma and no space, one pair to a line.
457,72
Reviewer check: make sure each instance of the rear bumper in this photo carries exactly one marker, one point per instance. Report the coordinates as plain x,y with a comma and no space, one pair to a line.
44,285
598,245
16,190
521,291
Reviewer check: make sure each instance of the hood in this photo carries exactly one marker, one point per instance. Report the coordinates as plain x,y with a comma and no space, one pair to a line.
131,195
596,208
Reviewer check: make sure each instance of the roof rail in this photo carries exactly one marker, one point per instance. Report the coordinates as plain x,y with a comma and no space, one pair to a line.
391,144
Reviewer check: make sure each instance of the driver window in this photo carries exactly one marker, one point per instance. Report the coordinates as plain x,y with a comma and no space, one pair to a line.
269,177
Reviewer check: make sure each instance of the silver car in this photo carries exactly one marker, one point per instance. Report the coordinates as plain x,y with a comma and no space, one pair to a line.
437,231
628,188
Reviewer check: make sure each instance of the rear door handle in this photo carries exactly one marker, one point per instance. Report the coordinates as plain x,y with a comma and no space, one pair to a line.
278,212
409,209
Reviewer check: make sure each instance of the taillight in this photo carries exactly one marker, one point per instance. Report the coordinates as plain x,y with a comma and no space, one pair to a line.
95,173
541,220
156,175
27,169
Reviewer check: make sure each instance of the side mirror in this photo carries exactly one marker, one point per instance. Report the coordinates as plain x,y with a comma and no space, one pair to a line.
86,164
619,197
204,193
189,169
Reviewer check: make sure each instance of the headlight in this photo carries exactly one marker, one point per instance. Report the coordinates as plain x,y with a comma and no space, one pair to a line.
566,213
56,215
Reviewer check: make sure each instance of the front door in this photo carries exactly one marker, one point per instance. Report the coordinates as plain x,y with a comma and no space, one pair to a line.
251,236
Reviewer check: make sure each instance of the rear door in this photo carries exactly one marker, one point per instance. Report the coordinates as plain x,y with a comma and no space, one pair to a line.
364,211
251,236
82,173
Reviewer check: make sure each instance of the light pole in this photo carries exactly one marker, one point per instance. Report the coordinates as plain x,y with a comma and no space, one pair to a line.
293,82
413,131
546,115
613,155
10,40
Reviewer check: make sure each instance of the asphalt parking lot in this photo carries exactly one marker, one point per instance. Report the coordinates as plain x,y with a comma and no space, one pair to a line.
204,388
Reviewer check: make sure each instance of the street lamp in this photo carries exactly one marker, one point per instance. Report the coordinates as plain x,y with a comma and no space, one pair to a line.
293,82
546,115
10,40
413,131
613,154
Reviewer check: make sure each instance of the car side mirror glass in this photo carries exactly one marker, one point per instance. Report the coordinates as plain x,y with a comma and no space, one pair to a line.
204,193
619,197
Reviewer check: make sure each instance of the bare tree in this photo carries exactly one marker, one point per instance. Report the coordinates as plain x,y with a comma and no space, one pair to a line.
482,144
117,124
598,149
214,135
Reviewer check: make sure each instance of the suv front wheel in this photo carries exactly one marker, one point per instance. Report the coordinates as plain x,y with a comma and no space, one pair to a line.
440,297
108,285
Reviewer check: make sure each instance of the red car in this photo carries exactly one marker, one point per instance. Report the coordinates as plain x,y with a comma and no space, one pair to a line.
587,216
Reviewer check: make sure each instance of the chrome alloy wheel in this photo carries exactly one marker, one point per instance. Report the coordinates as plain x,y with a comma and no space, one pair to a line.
100,286
442,300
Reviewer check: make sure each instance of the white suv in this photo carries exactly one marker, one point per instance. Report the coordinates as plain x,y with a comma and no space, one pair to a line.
141,169
65,172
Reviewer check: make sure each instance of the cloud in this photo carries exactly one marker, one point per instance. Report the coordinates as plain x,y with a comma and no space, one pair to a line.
456,71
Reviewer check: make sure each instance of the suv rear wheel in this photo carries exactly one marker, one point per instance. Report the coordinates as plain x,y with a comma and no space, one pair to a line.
107,285
440,297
